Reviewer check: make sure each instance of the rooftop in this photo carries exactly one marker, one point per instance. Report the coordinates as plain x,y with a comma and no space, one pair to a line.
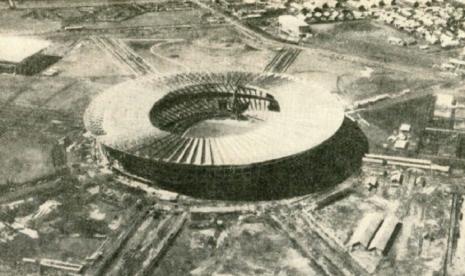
16,49
383,236
444,100
366,229
401,144
308,115
405,127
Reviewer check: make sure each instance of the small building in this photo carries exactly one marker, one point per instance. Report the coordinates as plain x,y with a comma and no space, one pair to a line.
365,231
401,144
459,125
386,235
405,128
443,106
21,55
459,114
293,25
459,65
396,41
397,177
410,41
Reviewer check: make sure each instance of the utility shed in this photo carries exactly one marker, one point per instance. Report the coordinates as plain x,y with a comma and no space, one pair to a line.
366,229
401,144
22,55
405,127
293,25
443,106
385,236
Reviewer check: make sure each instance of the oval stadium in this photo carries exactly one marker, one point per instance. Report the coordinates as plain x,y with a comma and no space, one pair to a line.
228,135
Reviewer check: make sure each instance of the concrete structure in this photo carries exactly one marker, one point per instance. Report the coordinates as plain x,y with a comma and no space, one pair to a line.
459,114
401,144
21,55
396,41
365,231
386,234
60,265
443,106
397,177
405,127
186,133
292,25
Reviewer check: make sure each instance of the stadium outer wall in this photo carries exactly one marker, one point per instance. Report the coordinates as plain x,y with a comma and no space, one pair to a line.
314,170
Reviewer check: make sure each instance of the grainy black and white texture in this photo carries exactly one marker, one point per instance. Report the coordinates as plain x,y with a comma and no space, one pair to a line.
232,137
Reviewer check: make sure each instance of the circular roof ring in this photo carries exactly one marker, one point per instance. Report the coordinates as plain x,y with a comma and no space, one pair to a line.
227,135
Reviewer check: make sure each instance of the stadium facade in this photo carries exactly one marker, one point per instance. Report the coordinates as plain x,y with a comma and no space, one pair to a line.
229,135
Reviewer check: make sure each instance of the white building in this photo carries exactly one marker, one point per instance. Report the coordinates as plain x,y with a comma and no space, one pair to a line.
18,54
385,235
366,229
292,25
405,127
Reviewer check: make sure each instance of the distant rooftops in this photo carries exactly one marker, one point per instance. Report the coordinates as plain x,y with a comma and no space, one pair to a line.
15,49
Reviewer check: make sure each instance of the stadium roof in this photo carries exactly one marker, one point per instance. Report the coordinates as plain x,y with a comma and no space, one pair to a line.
15,49
308,116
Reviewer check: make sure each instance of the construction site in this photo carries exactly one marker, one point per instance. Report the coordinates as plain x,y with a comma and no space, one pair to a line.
154,137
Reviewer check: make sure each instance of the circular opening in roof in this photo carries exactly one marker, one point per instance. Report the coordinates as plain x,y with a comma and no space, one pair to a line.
213,110
303,145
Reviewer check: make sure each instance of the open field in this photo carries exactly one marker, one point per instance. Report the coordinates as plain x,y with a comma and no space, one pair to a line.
25,158
204,51
13,22
370,39
88,53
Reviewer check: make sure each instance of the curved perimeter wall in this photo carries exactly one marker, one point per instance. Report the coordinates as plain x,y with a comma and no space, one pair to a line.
314,170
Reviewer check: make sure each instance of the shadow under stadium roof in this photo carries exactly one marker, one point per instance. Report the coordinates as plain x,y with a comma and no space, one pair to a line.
221,133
